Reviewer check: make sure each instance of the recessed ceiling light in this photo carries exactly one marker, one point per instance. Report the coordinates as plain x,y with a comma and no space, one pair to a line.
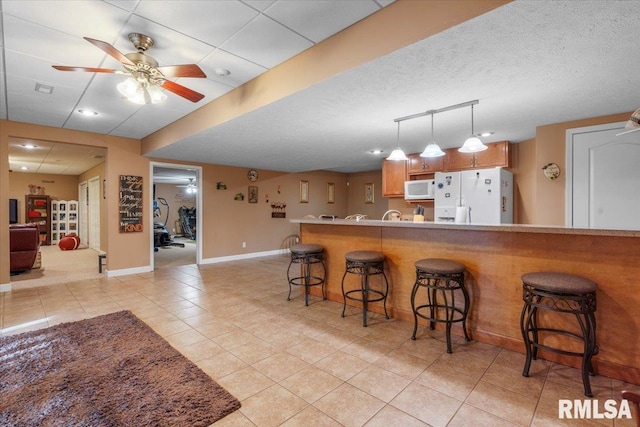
376,151
44,88
29,146
485,134
24,168
222,72
87,113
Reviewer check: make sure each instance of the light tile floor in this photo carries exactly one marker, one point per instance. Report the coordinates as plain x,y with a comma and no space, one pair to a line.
292,365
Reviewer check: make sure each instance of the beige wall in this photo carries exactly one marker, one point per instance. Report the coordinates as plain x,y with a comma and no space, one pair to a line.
58,187
356,201
542,201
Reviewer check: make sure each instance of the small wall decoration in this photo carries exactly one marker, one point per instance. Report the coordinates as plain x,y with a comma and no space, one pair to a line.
253,194
221,185
131,202
304,191
278,210
368,193
238,197
551,171
331,192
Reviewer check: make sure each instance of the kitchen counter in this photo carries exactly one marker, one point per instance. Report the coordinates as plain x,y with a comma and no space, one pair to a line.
496,257
514,228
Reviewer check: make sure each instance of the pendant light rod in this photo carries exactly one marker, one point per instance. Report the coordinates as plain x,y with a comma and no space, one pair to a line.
439,110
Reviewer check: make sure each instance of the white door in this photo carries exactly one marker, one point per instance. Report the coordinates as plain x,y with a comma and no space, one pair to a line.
94,213
83,231
603,185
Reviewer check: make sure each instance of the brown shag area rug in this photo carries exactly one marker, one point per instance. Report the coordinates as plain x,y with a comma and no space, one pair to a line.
112,370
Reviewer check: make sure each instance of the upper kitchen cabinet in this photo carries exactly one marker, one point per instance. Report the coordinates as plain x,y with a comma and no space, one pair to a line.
424,165
394,174
497,154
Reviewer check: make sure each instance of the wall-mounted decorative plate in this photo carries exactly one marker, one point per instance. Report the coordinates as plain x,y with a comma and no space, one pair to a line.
551,171
252,175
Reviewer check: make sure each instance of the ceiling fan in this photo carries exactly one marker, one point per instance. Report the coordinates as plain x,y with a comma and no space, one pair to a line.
191,187
146,75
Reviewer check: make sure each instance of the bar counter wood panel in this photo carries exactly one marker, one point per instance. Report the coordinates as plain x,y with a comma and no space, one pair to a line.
495,259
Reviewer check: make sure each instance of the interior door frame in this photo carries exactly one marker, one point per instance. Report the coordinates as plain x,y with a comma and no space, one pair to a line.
83,211
198,171
93,198
568,208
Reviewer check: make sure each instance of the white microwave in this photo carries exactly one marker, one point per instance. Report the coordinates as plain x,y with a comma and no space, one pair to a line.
419,190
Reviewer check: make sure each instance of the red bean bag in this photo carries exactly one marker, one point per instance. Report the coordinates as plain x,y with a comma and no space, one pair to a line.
69,242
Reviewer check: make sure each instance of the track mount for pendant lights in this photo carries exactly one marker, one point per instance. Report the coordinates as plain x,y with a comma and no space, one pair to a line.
432,149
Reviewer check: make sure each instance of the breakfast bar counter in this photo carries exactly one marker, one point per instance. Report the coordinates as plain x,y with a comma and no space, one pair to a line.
496,257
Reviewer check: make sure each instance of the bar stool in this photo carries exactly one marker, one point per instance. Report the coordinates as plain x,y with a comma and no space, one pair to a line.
365,264
306,255
440,277
562,293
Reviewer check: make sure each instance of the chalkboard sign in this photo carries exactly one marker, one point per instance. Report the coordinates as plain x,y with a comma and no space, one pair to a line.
130,204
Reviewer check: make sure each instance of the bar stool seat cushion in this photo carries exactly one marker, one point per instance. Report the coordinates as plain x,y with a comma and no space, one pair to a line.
439,266
559,282
306,248
364,256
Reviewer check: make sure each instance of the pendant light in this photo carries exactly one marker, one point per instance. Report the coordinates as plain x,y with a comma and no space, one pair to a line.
473,143
398,154
432,149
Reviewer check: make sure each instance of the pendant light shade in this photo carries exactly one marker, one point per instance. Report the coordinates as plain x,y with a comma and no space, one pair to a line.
398,154
473,143
432,149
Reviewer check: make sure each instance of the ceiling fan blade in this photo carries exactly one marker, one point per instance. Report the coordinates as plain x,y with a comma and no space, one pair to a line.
88,69
185,70
110,50
184,92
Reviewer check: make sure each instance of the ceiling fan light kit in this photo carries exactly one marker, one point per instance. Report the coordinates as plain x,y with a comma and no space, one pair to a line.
147,78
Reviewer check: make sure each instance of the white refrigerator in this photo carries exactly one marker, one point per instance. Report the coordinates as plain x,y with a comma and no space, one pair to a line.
477,196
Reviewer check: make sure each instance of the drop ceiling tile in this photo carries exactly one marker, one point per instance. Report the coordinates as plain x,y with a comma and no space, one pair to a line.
260,5
26,108
317,20
170,47
46,43
224,18
266,43
95,19
241,70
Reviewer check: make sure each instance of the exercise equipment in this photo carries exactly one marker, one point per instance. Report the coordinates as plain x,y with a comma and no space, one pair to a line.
161,236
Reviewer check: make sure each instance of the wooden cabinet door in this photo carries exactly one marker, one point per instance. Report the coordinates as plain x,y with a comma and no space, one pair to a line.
421,165
496,155
432,164
415,163
394,174
455,160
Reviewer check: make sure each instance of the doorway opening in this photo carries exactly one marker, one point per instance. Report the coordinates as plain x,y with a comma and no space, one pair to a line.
176,199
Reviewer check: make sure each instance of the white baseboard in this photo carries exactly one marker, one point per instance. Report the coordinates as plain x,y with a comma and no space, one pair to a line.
128,271
241,256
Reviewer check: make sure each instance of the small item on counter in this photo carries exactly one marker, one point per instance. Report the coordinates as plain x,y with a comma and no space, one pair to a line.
418,214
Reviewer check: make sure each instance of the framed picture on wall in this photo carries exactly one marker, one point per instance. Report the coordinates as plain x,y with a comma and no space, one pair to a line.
368,193
304,191
253,194
331,192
